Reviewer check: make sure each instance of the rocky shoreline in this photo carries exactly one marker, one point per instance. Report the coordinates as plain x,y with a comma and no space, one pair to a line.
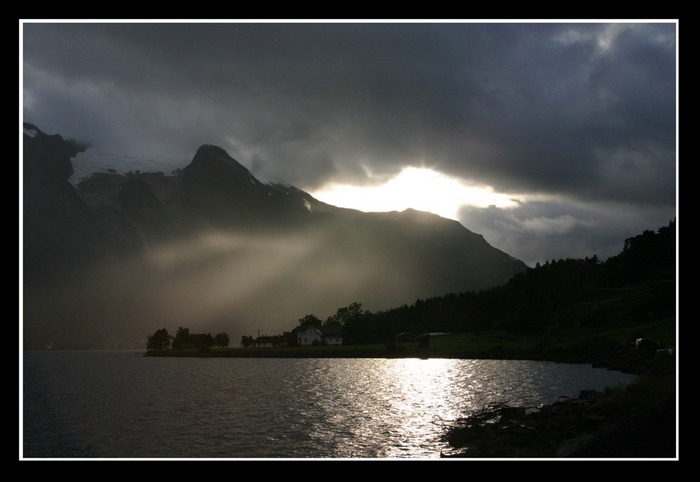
638,421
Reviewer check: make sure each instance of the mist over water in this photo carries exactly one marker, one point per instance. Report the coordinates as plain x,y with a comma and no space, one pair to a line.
218,281
117,404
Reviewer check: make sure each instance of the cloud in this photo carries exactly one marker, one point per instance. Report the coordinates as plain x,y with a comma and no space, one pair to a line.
542,230
540,226
578,111
416,188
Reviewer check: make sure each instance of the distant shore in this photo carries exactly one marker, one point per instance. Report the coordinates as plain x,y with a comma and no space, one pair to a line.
604,355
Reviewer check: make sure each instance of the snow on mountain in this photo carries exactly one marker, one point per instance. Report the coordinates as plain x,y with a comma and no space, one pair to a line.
89,162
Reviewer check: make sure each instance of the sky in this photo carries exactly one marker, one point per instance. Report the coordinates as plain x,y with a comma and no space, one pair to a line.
553,139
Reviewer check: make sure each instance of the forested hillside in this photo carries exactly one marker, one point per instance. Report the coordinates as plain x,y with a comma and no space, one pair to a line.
635,286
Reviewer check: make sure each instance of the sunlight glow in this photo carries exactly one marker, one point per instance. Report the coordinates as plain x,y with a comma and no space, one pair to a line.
418,188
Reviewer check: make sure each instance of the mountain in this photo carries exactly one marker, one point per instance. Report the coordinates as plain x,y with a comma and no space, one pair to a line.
557,299
60,231
213,248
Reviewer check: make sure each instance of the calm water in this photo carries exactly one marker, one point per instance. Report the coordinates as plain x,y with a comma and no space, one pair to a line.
117,404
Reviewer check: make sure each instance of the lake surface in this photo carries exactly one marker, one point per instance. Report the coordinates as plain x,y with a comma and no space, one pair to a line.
119,404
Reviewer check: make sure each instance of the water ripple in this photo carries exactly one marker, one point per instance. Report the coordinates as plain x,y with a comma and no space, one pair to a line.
119,405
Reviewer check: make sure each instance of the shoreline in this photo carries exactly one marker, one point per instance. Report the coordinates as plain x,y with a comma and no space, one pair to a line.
626,359
635,422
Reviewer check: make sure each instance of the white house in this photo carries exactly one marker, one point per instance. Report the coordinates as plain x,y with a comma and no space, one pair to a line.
309,335
321,335
332,334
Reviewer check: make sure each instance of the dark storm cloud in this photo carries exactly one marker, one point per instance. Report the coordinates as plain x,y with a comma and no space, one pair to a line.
576,110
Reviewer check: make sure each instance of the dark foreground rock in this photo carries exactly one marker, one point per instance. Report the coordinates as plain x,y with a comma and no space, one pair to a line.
649,434
636,422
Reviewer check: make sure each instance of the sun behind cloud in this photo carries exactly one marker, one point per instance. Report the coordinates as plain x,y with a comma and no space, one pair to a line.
419,188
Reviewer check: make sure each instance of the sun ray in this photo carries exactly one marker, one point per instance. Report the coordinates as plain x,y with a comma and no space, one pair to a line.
418,188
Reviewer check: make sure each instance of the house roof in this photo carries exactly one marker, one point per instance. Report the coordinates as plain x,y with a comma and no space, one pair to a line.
310,328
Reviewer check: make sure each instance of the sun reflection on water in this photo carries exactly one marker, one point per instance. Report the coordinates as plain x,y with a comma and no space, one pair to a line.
420,399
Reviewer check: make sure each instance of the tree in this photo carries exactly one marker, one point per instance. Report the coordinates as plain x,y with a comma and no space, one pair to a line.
246,341
158,341
202,341
182,339
347,315
221,340
310,320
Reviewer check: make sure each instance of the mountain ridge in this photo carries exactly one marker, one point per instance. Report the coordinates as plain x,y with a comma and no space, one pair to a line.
255,251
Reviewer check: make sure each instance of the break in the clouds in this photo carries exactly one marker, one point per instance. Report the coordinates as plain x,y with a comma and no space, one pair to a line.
543,230
581,115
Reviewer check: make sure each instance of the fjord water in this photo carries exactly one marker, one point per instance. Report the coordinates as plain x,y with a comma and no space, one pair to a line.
119,404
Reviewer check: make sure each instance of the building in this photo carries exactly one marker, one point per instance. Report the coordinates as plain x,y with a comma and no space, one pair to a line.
321,335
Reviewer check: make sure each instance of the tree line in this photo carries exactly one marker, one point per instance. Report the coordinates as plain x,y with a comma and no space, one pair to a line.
344,316
161,340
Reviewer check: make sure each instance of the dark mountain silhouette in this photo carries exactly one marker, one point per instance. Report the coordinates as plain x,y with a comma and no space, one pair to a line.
635,287
61,233
210,246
